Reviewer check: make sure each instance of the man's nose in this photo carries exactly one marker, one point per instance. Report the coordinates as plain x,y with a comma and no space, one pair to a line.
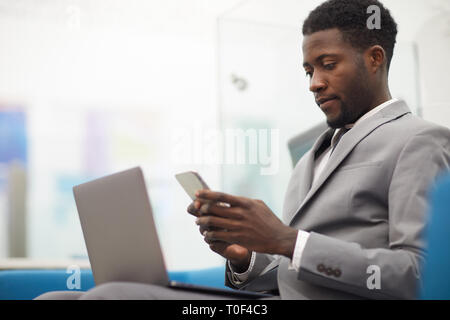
317,83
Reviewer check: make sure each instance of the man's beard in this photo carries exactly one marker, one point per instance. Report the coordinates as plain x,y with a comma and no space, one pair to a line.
348,115
358,105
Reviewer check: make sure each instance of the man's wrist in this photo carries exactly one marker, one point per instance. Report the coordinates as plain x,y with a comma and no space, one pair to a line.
286,242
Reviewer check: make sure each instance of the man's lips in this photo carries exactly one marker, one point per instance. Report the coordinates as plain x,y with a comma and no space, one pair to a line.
323,101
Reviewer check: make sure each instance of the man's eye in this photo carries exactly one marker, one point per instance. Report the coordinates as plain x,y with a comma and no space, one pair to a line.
330,66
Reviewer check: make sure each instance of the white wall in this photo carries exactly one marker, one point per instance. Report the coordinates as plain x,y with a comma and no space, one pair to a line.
433,41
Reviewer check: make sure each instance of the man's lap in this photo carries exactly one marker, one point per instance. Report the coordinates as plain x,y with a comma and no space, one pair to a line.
132,291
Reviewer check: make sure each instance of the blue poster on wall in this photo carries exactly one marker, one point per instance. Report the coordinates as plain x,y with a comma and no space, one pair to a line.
13,149
13,138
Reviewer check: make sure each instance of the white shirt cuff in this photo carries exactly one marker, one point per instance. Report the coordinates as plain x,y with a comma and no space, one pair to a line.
300,244
238,278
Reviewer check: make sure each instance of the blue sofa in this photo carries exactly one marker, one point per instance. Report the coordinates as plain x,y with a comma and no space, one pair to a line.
27,284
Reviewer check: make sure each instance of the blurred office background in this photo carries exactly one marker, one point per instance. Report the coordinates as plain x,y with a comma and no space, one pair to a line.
91,87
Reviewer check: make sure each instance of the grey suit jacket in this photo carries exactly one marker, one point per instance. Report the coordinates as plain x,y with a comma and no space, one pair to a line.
366,214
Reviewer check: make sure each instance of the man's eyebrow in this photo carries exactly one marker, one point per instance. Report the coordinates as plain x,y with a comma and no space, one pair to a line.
321,57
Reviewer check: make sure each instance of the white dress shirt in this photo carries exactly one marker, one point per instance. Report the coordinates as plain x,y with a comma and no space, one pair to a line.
319,166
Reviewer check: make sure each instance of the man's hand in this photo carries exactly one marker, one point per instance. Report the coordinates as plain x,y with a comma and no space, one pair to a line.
247,222
236,254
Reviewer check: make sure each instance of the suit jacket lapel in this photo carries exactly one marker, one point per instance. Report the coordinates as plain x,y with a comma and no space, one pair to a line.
302,177
310,161
345,146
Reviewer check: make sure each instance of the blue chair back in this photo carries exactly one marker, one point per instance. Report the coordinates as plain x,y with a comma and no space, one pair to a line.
436,274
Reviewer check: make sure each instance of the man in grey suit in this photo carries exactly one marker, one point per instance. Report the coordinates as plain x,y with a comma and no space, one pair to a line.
355,207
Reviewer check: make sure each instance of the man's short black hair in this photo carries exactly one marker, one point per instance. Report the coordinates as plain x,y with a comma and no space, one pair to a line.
350,17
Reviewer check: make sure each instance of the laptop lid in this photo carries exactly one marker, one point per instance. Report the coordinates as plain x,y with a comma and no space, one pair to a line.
119,230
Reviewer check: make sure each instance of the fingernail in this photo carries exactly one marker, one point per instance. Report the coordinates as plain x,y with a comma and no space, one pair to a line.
197,221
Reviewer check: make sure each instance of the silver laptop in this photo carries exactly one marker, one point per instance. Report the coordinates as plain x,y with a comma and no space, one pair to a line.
121,236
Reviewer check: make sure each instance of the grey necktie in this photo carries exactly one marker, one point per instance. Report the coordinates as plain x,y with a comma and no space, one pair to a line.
337,138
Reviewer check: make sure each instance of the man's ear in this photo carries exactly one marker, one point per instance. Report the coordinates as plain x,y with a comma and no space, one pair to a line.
375,58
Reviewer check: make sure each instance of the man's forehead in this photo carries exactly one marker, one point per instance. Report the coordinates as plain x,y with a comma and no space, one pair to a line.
322,42
324,36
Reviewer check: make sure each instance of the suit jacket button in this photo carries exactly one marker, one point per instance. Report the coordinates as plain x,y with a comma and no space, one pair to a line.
329,271
321,268
337,273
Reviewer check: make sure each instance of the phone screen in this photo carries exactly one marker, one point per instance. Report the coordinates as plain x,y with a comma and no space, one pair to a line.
191,182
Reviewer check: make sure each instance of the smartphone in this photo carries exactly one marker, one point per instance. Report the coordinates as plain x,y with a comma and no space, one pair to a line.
191,182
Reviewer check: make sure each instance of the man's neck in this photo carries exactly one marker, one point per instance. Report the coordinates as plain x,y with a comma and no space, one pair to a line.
371,112
381,98
378,100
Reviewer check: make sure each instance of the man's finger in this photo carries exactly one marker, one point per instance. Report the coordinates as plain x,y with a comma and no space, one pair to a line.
192,210
234,201
218,246
210,242
234,213
204,208
209,222
220,235
202,230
